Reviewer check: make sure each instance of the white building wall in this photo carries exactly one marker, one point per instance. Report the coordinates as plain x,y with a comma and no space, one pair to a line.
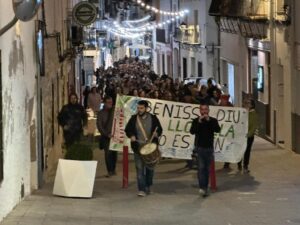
282,87
18,80
235,51
206,53
199,56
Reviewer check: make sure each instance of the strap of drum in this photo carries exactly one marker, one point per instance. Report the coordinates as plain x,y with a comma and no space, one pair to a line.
142,129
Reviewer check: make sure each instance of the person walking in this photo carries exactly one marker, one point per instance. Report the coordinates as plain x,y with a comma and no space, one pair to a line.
252,126
140,128
204,128
104,125
72,118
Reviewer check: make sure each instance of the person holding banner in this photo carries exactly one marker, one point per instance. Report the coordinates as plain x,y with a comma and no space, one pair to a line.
104,125
204,128
140,128
252,127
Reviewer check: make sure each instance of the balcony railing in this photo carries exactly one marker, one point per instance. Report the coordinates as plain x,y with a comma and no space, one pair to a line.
248,18
188,34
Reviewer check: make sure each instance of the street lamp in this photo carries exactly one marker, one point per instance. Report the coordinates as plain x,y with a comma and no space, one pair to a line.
24,10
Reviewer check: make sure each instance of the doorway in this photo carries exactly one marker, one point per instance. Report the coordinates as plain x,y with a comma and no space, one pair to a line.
184,62
279,125
231,81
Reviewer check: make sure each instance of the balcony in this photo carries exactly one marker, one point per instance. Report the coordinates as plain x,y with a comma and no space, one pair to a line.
188,34
248,18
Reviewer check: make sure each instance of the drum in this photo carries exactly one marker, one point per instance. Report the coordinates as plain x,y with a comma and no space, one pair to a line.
150,154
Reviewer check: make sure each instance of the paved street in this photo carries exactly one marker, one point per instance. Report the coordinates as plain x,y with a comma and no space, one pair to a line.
269,195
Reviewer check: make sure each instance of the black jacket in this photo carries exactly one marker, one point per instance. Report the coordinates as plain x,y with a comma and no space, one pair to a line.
72,116
205,131
130,128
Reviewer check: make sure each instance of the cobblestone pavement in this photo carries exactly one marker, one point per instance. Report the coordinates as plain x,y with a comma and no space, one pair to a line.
269,195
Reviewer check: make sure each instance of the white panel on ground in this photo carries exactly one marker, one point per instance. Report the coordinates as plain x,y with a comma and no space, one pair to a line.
75,178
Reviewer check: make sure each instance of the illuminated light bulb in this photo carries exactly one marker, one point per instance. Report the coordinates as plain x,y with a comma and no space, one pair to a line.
168,21
139,1
143,4
173,19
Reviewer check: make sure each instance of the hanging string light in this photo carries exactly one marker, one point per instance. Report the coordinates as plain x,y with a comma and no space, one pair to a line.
128,29
123,34
145,27
162,12
144,19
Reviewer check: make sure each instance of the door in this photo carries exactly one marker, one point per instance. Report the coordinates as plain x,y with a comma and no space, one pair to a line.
170,73
184,62
163,64
280,108
193,67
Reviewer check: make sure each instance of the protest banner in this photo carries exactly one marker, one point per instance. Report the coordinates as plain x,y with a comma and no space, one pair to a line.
176,119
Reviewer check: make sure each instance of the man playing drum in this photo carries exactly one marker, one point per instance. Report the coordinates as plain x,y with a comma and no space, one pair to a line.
143,128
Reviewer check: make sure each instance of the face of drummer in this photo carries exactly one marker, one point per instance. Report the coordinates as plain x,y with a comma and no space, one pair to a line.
141,110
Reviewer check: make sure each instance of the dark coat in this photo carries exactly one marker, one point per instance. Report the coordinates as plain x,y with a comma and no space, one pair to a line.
72,116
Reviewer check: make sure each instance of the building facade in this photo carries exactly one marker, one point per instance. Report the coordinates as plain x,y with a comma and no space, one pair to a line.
37,73
19,70
188,47
259,52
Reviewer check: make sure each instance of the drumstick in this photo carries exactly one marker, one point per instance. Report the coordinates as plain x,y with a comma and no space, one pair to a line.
153,135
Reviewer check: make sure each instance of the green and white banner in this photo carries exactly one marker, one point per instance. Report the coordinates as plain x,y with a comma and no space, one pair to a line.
176,119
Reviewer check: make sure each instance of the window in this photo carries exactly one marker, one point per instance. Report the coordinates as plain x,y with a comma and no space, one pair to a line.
161,35
1,125
163,64
40,46
280,6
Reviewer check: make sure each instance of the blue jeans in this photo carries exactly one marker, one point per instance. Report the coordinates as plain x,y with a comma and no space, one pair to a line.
205,157
144,174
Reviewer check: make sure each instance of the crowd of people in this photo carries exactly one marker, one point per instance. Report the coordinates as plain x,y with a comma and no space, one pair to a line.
131,77
134,78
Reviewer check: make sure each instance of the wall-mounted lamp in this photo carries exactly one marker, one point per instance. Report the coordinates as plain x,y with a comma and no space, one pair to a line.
24,10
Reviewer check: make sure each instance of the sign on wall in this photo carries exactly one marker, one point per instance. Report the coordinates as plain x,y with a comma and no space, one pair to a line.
176,119
84,13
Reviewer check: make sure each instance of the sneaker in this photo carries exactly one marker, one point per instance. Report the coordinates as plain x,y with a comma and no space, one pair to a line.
226,166
239,167
246,170
148,191
203,193
141,194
